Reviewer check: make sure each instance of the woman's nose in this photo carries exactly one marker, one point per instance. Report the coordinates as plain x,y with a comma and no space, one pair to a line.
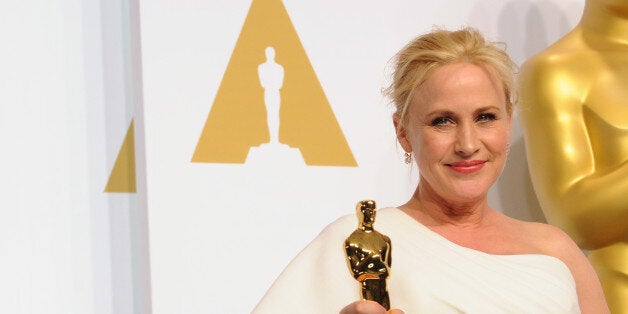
467,141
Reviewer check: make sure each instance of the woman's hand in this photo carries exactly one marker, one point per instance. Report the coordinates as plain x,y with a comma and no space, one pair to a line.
367,307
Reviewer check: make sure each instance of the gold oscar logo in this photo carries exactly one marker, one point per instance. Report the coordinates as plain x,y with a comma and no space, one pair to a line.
122,177
270,94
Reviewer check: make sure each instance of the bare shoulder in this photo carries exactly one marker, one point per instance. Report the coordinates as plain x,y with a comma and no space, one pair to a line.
539,238
551,240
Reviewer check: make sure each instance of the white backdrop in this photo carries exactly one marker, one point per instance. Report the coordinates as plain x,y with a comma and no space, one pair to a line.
219,234
69,80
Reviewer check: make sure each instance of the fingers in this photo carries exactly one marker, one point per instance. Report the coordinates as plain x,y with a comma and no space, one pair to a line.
367,307
363,307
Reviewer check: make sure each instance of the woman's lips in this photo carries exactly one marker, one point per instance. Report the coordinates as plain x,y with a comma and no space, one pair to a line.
469,166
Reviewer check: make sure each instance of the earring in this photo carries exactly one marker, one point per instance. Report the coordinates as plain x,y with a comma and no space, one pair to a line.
408,157
507,148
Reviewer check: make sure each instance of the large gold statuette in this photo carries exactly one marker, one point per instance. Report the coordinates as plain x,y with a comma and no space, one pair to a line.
368,255
576,135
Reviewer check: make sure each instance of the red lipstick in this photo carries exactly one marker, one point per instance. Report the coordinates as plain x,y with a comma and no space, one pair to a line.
467,166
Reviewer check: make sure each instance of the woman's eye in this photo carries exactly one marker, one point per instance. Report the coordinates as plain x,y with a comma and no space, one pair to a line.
486,117
441,121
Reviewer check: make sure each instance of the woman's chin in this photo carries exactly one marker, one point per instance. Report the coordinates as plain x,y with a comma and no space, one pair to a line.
458,191
468,193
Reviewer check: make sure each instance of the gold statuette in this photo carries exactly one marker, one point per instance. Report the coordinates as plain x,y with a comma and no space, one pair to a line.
575,119
368,255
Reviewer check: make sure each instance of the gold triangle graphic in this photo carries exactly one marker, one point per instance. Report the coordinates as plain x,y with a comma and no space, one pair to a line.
237,119
122,177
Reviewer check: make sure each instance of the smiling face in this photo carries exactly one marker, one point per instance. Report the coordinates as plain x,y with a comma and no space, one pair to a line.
458,129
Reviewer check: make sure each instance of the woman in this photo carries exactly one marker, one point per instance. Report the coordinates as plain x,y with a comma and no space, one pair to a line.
453,93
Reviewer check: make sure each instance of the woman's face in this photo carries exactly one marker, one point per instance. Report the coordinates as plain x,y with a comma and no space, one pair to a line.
458,130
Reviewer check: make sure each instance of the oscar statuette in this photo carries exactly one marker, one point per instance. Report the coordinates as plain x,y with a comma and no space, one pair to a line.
368,255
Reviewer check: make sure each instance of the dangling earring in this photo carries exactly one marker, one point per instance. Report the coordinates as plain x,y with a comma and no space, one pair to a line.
507,148
408,157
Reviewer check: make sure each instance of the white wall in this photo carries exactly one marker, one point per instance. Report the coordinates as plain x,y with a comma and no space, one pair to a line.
66,101
71,81
46,238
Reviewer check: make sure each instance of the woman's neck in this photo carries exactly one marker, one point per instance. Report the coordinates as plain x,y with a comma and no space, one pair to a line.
432,210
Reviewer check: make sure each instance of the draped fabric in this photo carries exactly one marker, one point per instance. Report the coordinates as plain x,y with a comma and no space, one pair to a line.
429,274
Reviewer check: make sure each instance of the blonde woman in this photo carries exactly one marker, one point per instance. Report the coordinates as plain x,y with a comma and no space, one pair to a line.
454,94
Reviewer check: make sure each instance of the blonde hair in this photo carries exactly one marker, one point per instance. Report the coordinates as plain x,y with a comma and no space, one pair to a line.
420,57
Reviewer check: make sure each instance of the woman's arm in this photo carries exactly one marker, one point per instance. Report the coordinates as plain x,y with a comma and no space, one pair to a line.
590,295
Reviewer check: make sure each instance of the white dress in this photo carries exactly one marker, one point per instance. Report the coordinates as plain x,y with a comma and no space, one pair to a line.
429,274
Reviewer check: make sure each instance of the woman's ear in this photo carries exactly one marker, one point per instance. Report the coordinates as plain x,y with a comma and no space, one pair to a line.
401,132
